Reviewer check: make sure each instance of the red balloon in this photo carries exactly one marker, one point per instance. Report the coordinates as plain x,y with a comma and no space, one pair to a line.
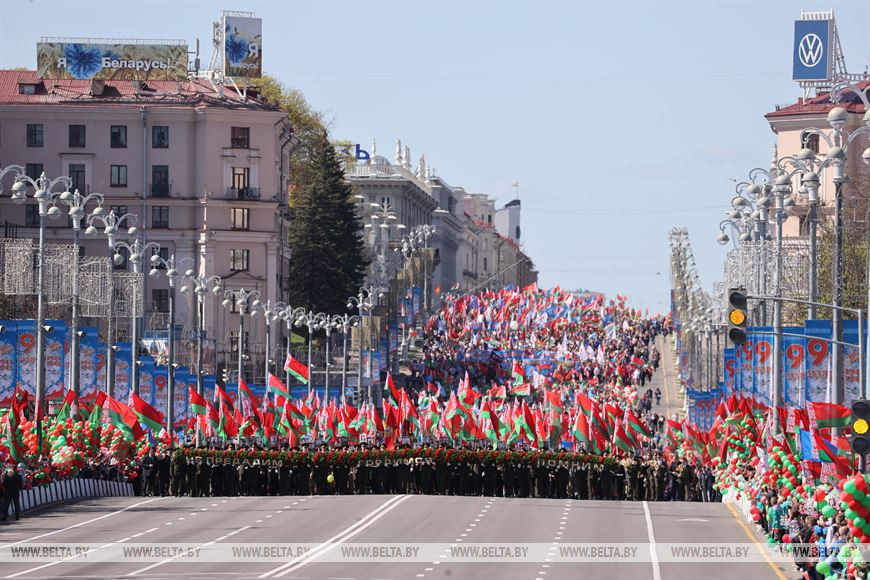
820,494
756,517
786,539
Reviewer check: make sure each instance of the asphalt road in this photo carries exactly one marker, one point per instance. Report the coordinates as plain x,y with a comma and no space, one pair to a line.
373,519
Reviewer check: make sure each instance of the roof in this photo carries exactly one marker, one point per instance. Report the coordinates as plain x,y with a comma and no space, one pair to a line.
187,93
821,103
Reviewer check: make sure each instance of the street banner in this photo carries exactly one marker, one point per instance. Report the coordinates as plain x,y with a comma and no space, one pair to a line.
851,363
27,356
54,359
746,356
729,361
161,387
762,364
243,46
146,379
88,346
182,378
418,300
122,371
818,359
794,372
8,363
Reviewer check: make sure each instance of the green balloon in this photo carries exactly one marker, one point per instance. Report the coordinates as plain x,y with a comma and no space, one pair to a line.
858,494
859,522
823,568
849,487
850,514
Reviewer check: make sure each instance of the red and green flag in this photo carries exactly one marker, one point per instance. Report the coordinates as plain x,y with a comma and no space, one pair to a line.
198,404
296,369
124,419
622,440
277,388
637,425
519,375
96,416
831,416
69,406
147,414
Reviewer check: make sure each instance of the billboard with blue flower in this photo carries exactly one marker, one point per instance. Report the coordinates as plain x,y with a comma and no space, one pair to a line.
75,60
243,47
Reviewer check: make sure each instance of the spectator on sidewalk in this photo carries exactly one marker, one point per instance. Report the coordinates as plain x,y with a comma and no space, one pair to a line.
12,484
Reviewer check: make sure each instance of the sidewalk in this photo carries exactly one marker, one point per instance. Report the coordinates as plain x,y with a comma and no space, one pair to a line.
667,378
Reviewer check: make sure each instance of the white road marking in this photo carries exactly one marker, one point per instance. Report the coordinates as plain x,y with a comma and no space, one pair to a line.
168,524
340,537
259,521
80,523
692,520
657,574
214,505
122,540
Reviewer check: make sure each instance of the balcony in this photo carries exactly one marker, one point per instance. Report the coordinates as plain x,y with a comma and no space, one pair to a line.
243,193
159,189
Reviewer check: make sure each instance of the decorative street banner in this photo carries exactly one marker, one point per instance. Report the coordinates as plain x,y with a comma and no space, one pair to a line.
182,380
851,363
746,355
146,379
89,345
762,365
794,372
27,356
418,299
161,387
74,60
243,47
818,359
728,371
123,381
8,364
54,354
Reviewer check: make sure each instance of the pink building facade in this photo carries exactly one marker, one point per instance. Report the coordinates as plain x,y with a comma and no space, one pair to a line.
202,168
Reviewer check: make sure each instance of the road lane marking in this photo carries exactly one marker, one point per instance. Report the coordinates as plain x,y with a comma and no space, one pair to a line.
352,530
80,523
657,573
57,561
692,520
758,546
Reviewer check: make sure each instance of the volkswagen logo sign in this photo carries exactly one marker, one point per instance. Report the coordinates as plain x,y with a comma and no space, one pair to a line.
811,50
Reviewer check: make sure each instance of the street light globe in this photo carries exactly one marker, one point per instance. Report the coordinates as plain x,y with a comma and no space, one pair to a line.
744,237
837,117
836,154
811,180
865,156
67,195
189,273
217,289
349,305
98,211
18,187
185,289
118,259
53,212
226,302
132,231
722,238
155,258
753,189
154,272
806,154
136,257
90,231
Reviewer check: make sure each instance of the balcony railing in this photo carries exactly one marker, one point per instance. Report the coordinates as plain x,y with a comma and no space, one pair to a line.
159,189
244,193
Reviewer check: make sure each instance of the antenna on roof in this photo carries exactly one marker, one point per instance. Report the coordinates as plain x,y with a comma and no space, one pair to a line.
516,186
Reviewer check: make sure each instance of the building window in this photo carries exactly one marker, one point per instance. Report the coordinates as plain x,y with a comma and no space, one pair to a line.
159,137
122,264
119,176
485,266
234,336
518,232
77,174
239,216
33,170
76,135
119,210
164,255
239,259
386,202
159,216
159,181
160,300
240,137
118,136
31,214
34,135
812,142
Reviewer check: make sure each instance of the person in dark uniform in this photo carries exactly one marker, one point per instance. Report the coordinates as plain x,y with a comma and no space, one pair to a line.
12,484
509,475
163,471
524,480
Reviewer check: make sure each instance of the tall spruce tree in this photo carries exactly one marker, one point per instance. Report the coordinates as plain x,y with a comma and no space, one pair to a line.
327,260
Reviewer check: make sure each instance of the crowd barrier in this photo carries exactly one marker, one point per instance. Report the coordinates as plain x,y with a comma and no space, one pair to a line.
743,503
72,489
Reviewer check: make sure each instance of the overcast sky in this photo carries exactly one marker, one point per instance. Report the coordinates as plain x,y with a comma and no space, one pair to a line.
618,119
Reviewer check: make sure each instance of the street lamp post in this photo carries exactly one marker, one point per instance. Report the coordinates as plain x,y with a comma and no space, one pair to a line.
363,302
241,298
201,285
344,324
269,314
46,196
77,203
112,226
313,321
289,315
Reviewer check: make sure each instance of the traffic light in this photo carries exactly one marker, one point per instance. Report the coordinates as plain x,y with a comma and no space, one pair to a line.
737,315
861,427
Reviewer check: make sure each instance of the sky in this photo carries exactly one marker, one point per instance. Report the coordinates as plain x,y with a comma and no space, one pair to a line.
619,120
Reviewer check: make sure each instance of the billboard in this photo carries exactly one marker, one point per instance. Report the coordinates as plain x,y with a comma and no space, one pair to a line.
75,60
813,58
243,46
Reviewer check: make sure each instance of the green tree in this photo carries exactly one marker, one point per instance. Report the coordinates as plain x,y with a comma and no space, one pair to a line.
327,261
